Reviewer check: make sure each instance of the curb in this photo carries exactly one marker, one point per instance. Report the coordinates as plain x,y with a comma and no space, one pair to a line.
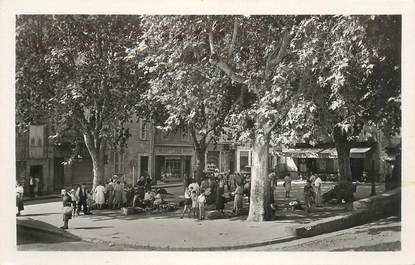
220,248
366,210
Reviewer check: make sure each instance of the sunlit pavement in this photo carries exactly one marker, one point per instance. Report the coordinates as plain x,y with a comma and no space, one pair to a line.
381,235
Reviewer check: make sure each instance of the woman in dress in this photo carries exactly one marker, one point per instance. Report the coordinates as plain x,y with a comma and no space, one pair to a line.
287,186
99,195
118,195
110,194
124,193
237,203
220,199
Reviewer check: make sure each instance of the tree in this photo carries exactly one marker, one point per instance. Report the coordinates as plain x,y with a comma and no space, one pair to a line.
194,96
73,72
249,51
351,66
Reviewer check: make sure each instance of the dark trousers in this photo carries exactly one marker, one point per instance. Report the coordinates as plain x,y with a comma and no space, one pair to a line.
84,205
32,190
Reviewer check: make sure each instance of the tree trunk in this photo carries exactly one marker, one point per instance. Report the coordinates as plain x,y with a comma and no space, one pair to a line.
97,156
343,155
259,206
98,168
200,163
343,146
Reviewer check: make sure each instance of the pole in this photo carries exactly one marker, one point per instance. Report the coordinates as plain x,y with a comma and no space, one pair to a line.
133,175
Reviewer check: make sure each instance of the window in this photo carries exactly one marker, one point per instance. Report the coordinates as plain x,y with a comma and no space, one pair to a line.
118,162
39,142
243,160
173,166
143,130
32,142
322,164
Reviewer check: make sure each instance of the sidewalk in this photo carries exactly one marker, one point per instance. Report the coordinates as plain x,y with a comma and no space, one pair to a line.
163,232
166,231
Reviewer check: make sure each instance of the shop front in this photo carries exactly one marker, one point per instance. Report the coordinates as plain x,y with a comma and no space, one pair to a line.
173,164
323,161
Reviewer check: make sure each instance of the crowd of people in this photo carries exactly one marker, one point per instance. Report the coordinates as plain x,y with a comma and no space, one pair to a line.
214,189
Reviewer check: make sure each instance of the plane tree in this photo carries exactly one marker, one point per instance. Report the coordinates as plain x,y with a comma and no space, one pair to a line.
72,72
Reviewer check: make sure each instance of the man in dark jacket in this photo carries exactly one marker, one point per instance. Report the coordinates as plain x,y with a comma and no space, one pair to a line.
82,195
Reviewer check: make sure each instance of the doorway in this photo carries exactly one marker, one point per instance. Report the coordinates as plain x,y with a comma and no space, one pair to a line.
357,167
144,165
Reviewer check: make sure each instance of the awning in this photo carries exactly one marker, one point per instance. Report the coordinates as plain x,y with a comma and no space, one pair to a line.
355,152
302,152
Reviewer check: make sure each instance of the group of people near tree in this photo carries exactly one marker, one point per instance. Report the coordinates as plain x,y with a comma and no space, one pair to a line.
215,189
312,192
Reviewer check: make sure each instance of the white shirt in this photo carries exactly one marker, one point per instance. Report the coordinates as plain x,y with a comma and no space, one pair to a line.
318,182
201,199
19,189
187,194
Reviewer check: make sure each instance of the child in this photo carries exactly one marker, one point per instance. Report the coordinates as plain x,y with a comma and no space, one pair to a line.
195,205
74,200
237,203
187,202
201,203
309,196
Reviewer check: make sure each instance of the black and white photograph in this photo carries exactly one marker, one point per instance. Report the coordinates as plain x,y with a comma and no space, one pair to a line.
207,133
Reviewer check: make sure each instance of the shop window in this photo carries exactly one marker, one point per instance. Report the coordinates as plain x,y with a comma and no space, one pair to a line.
172,167
322,164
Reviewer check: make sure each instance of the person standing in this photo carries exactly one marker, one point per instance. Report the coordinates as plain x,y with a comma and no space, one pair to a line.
37,186
19,198
99,195
110,194
312,178
124,194
194,186
187,203
72,194
67,209
195,204
220,199
148,181
287,186
83,197
32,186
309,196
237,202
201,204
317,189
117,195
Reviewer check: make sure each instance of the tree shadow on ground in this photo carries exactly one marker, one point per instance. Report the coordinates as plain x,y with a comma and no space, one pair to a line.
28,232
